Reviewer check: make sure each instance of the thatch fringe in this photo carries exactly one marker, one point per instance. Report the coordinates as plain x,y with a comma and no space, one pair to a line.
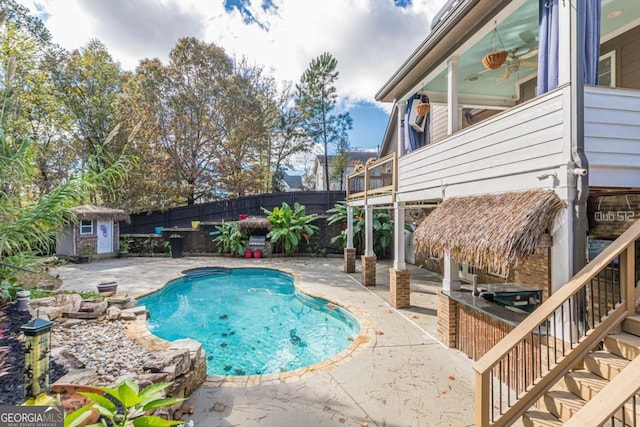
493,230
254,223
90,212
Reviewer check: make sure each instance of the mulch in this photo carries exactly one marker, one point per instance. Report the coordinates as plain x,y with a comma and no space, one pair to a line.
12,382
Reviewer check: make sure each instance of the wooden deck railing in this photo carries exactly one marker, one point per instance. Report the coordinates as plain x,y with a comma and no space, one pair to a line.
377,178
515,373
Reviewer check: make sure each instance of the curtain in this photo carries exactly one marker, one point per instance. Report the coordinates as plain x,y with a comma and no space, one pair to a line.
547,46
413,138
592,41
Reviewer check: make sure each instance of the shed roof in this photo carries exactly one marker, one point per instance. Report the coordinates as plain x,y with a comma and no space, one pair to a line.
90,212
491,230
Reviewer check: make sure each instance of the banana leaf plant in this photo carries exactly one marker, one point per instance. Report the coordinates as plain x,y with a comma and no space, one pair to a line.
290,226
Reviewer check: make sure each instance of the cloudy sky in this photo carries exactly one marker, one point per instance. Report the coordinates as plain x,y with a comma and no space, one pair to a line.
369,38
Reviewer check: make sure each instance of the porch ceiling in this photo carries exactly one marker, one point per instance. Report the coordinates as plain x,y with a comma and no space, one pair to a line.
519,34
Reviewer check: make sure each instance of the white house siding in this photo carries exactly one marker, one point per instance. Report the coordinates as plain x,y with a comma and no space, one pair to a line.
504,153
612,136
438,122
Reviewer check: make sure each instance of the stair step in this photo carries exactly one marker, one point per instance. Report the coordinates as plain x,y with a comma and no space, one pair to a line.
540,418
623,344
584,384
605,364
632,324
563,404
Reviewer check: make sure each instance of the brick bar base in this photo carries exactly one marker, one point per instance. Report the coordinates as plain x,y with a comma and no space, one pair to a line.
399,286
368,270
447,320
349,260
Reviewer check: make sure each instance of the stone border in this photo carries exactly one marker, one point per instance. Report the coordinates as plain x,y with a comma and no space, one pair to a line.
138,332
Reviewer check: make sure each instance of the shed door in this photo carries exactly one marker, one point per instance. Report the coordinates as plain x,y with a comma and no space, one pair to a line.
105,236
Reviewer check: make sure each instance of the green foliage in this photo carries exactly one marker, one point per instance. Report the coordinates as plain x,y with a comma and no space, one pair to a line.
382,228
290,226
125,243
231,238
8,289
132,406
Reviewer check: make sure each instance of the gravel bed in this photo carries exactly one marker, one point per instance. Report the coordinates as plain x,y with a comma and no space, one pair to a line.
102,346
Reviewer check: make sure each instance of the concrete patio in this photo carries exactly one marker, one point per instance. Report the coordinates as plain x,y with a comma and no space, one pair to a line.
401,377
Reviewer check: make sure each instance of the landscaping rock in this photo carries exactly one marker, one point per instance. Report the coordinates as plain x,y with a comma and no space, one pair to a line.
87,376
70,303
67,358
134,312
46,312
113,313
42,302
127,315
72,322
97,307
174,361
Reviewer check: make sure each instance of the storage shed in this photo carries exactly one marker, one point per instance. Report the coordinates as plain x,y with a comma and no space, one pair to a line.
95,233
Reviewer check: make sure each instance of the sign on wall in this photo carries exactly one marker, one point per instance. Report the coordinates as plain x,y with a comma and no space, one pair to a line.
611,214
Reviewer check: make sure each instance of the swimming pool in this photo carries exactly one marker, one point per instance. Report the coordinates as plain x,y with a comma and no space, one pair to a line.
250,321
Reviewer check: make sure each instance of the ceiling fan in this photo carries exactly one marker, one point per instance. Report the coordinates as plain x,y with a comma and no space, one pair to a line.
514,62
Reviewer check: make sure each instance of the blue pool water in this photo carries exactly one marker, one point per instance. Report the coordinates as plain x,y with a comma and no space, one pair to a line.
249,321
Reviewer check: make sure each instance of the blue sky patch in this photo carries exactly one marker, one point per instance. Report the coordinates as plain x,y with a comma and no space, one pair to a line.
402,3
248,18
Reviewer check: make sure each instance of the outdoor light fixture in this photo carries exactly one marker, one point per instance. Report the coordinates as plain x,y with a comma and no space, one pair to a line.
37,345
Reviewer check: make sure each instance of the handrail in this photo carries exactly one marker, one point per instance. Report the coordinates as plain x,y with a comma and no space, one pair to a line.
607,403
508,362
367,177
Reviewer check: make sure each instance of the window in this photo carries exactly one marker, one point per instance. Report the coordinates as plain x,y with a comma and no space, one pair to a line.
86,227
466,271
495,272
607,69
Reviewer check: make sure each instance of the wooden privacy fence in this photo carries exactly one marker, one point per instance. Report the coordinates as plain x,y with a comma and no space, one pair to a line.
230,210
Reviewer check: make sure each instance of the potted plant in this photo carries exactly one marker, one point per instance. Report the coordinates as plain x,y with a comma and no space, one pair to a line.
125,245
175,240
86,250
107,287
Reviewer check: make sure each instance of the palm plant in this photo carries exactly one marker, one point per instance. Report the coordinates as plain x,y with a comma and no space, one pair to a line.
290,226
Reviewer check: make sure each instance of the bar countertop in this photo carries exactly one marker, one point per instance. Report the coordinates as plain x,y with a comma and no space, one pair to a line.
509,315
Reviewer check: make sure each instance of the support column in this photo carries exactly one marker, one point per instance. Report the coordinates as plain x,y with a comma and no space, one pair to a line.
369,257
453,118
399,276
349,251
451,279
447,320
448,308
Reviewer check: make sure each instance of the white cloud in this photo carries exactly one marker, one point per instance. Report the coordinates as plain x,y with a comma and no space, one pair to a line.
370,38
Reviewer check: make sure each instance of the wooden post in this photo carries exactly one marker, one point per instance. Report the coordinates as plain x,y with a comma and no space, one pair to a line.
627,277
482,398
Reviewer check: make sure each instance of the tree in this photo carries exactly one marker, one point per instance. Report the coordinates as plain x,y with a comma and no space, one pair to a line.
89,83
153,184
316,97
32,109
